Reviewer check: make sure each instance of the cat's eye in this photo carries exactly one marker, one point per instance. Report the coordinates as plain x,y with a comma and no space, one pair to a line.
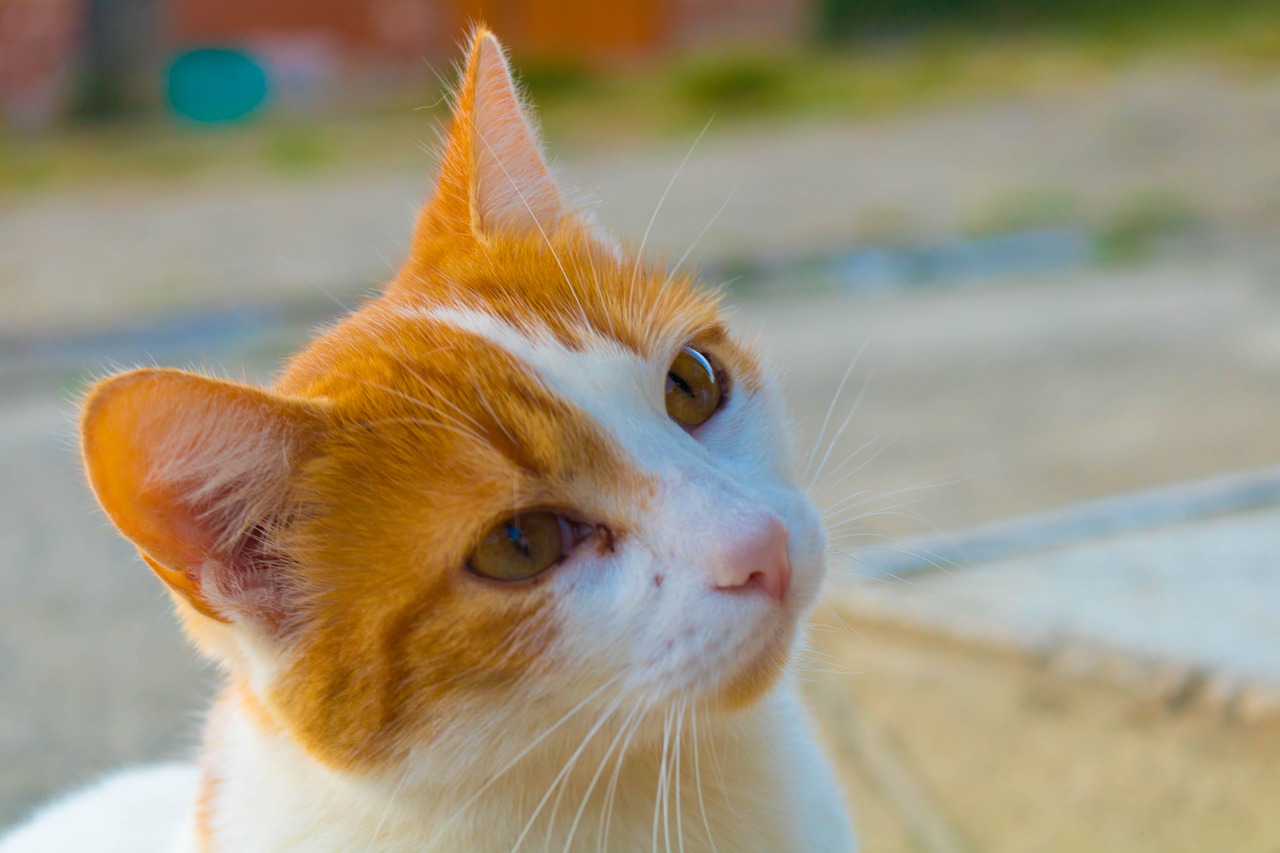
693,390
523,546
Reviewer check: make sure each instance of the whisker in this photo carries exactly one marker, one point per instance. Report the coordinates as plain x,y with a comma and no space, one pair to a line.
935,561
705,228
890,511
602,836
844,623
848,419
918,487
395,792
527,749
825,484
661,200
660,790
831,408
679,813
546,239
564,771
697,778
591,786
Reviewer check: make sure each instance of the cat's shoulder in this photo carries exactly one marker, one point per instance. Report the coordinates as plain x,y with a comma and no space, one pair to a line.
141,810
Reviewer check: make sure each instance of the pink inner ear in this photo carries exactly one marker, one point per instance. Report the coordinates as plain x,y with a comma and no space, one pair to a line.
194,471
250,579
513,188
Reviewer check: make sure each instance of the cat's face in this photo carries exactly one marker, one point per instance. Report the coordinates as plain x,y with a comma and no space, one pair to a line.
534,476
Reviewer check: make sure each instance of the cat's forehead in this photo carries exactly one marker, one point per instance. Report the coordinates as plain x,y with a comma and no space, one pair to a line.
420,392
569,285
515,339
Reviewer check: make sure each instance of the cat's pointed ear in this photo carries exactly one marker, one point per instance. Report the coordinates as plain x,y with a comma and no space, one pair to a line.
195,472
493,176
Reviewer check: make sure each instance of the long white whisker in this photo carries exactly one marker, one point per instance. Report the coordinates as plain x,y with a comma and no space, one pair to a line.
610,794
660,790
395,792
705,229
546,239
564,786
527,749
417,401
404,364
697,778
658,209
853,472
866,497
591,786
853,410
892,510
564,772
679,812
831,408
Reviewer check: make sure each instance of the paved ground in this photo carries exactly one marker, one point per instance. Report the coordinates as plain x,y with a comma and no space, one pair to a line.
1182,607
1202,141
947,747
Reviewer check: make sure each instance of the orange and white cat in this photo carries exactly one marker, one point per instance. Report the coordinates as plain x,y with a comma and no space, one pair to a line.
511,559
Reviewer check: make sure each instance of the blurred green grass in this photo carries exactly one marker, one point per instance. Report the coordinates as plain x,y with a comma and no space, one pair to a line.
941,64
1137,228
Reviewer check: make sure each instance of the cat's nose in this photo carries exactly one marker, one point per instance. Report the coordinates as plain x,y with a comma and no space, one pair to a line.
756,561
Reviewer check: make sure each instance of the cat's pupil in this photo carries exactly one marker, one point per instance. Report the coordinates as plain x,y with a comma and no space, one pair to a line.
519,540
522,546
680,383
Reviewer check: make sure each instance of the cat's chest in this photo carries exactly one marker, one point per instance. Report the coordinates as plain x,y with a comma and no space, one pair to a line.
769,792
630,819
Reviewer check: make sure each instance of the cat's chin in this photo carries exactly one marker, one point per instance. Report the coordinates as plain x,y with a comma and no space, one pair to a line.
753,677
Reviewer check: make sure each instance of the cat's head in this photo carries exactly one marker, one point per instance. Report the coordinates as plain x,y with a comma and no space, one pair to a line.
536,475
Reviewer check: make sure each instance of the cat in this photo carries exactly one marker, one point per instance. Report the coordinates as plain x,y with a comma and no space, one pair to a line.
512,558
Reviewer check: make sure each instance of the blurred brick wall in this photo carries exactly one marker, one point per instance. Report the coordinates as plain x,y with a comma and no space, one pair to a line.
414,30
39,44
703,22
363,30
115,50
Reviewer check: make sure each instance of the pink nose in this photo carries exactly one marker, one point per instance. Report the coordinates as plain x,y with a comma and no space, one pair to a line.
756,560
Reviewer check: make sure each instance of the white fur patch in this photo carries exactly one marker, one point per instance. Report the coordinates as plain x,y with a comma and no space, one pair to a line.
146,810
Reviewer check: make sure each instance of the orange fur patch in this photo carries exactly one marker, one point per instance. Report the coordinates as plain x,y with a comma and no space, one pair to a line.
434,436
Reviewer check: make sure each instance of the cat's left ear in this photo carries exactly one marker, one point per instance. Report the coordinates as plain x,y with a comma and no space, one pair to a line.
493,176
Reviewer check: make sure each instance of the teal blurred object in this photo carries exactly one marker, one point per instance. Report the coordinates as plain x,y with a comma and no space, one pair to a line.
213,85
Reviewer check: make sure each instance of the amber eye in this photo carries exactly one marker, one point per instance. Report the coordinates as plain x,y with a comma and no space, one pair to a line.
520,547
693,392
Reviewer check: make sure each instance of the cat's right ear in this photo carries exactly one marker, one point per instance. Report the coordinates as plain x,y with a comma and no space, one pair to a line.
493,175
195,472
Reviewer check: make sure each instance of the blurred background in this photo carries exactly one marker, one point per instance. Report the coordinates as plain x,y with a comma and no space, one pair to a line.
1017,262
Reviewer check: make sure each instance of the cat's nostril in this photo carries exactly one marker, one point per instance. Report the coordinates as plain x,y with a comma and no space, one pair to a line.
756,561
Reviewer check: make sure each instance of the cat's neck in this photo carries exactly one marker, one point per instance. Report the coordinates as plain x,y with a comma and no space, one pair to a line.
740,780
